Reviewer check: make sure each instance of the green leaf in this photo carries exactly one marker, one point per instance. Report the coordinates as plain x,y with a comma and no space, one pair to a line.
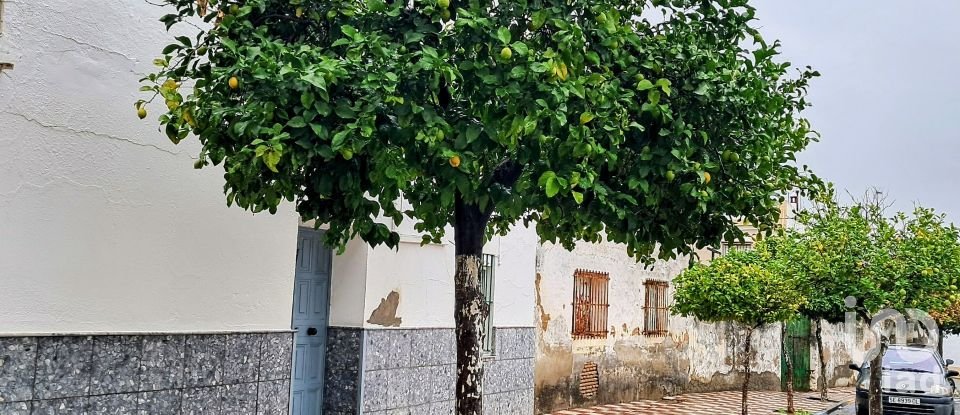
577,197
350,31
586,117
171,48
319,130
271,158
472,133
644,85
338,139
546,176
307,99
503,35
315,80
702,89
552,186
297,122
344,111
521,48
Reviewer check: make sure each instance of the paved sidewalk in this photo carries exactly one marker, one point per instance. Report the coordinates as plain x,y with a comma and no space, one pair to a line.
719,403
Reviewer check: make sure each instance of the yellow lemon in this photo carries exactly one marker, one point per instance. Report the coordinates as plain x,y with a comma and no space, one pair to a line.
455,161
234,82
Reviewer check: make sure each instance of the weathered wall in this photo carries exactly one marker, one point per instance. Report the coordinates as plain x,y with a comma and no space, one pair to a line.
695,356
422,278
104,224
841,346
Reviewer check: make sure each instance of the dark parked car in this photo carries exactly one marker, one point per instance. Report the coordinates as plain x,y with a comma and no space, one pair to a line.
915,381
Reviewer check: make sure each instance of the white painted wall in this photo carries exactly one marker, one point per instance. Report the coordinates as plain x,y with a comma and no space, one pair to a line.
104,225
951,348
423,275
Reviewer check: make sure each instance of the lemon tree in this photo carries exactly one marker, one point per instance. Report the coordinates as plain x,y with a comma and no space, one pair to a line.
742,288
590,120
900,262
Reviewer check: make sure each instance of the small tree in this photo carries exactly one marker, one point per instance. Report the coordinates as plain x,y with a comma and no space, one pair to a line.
582,117
898,263
828,259
738,288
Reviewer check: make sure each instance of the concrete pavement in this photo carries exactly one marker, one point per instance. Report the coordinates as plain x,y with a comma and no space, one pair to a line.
718,403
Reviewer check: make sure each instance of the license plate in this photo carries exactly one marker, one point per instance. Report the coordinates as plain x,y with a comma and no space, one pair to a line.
904,401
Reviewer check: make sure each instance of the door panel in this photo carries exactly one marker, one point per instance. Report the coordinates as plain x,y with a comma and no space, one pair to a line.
311,304
796,343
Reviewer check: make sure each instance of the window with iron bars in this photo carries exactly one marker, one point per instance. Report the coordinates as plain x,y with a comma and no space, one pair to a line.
590,304
727,248
656,308
488,265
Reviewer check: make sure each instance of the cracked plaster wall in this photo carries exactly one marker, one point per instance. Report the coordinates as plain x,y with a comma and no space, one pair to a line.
104,224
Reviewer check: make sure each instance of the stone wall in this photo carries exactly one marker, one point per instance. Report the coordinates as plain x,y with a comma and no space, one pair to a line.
413,371
241,373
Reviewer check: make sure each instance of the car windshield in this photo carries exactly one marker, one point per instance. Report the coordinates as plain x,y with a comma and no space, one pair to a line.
905,360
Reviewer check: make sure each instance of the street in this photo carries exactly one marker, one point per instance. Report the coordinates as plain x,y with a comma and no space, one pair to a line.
851,410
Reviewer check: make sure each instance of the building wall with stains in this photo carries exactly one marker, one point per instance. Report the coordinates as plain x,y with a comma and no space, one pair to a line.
629,365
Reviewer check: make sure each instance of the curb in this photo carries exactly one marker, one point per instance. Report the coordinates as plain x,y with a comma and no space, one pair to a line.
832,409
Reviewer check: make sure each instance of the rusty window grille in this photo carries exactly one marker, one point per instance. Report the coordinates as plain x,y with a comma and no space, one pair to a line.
590,304
488,265
656,309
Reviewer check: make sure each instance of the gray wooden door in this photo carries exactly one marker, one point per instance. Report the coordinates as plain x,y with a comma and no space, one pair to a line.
311,301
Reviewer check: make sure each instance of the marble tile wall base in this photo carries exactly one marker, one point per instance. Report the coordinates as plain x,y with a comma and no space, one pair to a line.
413,371
341,395
242,373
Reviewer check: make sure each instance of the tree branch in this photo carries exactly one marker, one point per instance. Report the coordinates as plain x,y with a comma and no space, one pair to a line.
505,174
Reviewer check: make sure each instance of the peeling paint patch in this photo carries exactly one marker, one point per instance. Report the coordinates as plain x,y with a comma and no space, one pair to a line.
386,313
544,317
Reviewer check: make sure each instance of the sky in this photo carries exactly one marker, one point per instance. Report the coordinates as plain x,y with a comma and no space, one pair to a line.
888,102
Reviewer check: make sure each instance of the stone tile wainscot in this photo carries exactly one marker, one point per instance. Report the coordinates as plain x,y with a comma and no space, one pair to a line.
241,373
413,372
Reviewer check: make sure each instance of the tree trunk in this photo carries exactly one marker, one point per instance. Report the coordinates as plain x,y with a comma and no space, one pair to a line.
746,371
940,336
788,364
470,308
876,379
822,378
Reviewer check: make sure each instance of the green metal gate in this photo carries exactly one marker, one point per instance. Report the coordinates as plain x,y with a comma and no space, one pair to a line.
796,344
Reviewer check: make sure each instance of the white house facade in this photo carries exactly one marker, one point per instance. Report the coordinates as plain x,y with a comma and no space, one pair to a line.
128,287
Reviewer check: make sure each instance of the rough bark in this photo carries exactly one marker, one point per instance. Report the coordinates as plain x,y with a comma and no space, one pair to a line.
822,377
940,337
747,349
788,364
876,380
470,309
